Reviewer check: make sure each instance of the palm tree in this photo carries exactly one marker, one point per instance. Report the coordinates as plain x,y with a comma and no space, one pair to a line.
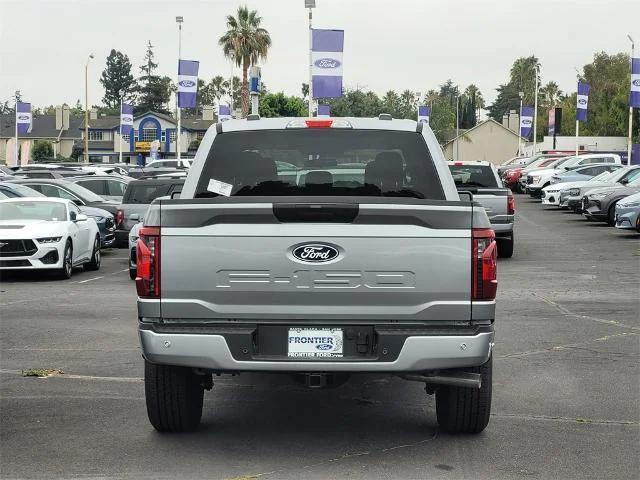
523,76
245,42
551,93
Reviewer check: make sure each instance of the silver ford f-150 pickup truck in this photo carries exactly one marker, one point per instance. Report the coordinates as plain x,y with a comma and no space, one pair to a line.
318,248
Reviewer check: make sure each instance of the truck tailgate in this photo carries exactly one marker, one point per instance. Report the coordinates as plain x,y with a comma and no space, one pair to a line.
396,262
494,201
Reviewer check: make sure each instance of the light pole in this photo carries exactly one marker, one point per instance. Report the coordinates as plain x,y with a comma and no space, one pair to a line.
86,109
179,21
458,127
535,112
630,140
232,56
520,125
310,4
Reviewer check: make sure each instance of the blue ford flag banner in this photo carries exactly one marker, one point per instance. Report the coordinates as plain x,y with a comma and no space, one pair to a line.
326,58
582,101
224,113
23,117
126,119
255,80
526,121
423,113
324,111
634,94
187,83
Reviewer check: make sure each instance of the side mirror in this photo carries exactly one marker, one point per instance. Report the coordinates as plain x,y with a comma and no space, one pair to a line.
81,217
134,217
624,181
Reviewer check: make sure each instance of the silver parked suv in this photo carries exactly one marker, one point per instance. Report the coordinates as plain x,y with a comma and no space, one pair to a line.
318,248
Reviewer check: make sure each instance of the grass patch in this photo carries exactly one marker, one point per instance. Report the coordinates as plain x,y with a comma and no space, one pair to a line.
42,372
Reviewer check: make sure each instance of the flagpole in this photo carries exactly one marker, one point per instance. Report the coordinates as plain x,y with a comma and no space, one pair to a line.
16,146
535,115
520,126
630,139
179,132
311,60
577,134
120,140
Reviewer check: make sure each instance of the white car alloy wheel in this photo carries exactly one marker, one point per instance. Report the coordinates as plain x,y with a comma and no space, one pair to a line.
67,261
96,256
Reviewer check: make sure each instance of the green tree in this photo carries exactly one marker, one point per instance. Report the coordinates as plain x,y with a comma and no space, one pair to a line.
117,80
154,92
245,42
280,105
42,150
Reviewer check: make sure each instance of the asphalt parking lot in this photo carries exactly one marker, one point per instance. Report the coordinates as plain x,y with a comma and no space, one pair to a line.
566,398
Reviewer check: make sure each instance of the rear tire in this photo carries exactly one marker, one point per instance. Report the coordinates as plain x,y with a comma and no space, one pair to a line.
505,246
96,257
465,410
174,397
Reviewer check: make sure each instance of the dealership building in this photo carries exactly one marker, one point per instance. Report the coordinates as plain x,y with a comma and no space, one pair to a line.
105,141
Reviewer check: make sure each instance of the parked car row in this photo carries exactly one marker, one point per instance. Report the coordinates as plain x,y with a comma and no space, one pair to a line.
95,194
596,186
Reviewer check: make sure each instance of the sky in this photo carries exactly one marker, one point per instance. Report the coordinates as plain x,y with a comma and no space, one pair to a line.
389,44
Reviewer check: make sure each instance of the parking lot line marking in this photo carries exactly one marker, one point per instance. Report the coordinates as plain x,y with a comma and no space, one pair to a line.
92,279
569,313
597,421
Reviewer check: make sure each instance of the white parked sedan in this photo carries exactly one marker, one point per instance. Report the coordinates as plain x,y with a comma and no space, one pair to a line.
39,233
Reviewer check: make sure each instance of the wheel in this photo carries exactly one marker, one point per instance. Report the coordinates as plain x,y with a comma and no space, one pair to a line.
505,246
638,224
133,273
465,410
611,215
66,271
174,397
96,257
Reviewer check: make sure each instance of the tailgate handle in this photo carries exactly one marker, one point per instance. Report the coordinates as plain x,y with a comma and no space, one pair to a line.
315,212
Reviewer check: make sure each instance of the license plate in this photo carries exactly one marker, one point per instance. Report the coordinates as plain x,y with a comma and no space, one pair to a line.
315,342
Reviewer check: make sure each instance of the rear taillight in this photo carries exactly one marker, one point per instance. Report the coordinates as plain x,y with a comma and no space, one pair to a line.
148,262
484,270
119,218
511,205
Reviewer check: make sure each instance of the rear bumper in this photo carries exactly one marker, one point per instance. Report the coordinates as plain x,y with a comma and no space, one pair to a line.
417,353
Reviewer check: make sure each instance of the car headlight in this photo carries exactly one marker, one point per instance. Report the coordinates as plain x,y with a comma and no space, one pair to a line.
630,205
574,192
535,179
49,239
97,218
598,196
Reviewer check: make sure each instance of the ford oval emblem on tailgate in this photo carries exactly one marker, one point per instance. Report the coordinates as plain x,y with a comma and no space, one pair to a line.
315,253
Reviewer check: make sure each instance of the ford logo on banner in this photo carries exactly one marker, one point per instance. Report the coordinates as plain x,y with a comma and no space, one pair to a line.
636,82
582,101
324,346
315,253
526,121
187,83
327,63
23,117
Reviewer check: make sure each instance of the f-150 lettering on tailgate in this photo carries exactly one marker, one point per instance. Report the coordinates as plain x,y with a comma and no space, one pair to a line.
249,280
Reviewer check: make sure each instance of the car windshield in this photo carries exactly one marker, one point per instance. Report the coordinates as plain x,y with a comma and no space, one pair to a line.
600,177
145,193
84,194
473,176
324,162
33,210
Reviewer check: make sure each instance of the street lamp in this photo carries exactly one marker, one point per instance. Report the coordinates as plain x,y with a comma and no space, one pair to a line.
310,4
179,21
520,126
535,111
630,107
86,109
458,127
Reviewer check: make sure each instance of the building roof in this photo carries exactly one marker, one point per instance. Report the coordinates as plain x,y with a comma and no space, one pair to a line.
44,126
110,122
480,125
